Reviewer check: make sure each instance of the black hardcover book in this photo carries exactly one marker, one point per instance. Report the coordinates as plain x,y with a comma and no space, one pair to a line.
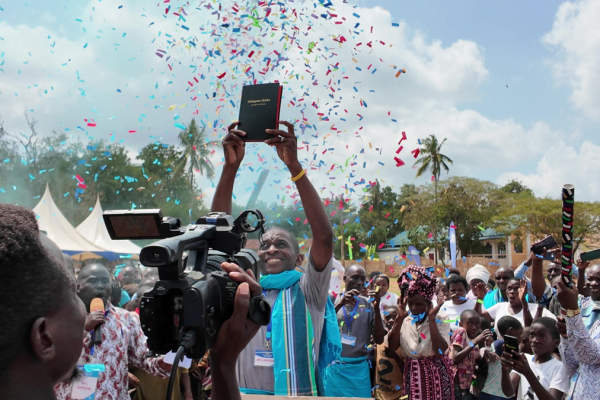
259,111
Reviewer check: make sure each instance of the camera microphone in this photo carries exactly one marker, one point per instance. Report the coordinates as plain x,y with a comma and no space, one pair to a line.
97,305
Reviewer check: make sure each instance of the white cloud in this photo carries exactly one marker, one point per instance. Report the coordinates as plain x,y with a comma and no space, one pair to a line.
562,164
575,36
423,101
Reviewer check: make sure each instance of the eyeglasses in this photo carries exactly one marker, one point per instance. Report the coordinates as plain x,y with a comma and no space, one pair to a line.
502,278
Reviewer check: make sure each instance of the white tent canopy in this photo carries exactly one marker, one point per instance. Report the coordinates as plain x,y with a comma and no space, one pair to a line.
58,228
94,230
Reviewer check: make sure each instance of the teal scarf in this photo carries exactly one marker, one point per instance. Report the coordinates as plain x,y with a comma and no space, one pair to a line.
293,338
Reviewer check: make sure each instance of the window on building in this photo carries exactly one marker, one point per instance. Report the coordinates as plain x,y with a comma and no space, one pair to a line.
488,250
518,245
502,250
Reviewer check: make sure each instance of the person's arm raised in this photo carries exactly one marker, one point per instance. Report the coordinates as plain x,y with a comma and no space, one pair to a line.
287,149
234,149
438,342
480,291
581,279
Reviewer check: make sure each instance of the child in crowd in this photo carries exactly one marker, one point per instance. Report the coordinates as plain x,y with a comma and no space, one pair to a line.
382,285
464,352
486,356
498,385
389,364
457,288
423,338
541,376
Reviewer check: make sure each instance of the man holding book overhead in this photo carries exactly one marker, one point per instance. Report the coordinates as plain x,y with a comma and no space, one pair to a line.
287,357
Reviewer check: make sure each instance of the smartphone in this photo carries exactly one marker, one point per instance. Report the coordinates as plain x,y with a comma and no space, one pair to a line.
548,242
511,343
551,256
590,255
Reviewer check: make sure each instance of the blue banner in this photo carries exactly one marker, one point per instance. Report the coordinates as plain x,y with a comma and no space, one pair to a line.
452,234
414,253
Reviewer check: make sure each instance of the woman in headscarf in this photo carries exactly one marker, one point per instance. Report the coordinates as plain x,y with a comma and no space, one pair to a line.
423,338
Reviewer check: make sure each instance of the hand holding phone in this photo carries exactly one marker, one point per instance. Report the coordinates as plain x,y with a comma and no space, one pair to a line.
590,255
548,242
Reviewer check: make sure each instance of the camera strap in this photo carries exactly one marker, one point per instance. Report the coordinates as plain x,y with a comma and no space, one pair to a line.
269,329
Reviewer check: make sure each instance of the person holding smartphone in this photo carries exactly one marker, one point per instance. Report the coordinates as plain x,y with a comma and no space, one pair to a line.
542,376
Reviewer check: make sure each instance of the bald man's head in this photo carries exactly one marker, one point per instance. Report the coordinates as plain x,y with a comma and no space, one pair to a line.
593,277
502,276
355,277
93,281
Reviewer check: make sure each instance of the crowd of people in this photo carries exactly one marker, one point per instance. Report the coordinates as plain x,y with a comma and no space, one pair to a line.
333,332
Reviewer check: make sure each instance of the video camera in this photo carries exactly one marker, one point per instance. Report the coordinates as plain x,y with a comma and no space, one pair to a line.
193,296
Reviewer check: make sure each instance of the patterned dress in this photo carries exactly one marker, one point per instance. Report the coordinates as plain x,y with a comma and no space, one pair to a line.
427,373
123,343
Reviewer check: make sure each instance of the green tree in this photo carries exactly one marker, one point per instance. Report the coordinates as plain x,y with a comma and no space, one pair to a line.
516,187
468,202
542,217
434,161
194,156
165,189
378,215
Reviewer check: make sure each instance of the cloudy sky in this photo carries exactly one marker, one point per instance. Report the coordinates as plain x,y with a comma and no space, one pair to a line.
514,88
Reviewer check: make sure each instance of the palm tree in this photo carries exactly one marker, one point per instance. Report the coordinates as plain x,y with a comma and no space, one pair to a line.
194,156
433,160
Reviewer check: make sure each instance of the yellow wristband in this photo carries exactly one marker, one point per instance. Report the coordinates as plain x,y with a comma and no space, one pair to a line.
300,175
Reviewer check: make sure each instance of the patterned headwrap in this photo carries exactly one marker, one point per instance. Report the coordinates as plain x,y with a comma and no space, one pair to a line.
416,280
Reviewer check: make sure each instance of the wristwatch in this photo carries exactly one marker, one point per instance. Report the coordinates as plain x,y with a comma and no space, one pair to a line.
572,313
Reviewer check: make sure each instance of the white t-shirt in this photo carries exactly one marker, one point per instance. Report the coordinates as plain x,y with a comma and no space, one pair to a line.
390,299
453,311
551,374
499,310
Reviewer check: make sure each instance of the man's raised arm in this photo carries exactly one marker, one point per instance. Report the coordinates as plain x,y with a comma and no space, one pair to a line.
234,149
287,149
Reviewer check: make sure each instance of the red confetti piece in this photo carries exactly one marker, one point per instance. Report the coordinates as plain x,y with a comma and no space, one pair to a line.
423,335
222,75
403,137
416,152
399,162
381,246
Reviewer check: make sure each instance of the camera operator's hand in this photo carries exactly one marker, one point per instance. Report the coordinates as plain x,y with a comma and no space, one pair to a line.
239,326
234,147
94,319
286,144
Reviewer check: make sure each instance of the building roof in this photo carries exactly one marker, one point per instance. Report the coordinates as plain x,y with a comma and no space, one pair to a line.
490,234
